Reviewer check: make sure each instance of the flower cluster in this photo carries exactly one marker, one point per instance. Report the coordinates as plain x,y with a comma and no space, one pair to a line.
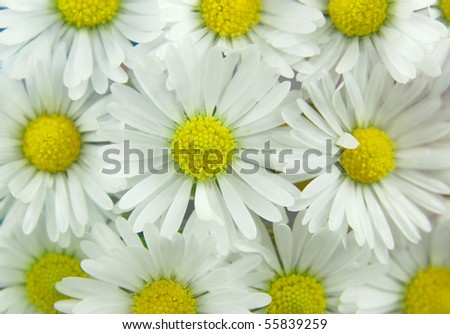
224,156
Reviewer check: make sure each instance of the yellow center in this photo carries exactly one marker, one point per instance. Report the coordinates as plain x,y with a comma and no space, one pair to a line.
296,294
87,13
373,159
230,18
164,297
358,17
44,274
429,292
445,8
203,147
51,143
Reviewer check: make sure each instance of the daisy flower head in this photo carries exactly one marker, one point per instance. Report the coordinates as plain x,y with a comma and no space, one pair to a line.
379,157
281,29
30,266
98,33
306,273
186,140
51,169
418,280
391,30
180,274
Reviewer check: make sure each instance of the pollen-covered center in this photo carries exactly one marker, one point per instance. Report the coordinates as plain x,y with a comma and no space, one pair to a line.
444,5
230,18
203,147
164,297
296,294
358,17
87,13
44,274
51,143
373,159
429,292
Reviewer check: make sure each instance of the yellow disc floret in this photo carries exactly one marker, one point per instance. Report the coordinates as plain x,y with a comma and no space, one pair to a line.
429,292
51,143
164,297
444,5
358,17
203,147
373,159
230,18
87,13
44,274
296,294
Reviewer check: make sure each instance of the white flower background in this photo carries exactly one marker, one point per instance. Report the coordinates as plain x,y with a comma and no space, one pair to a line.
224,156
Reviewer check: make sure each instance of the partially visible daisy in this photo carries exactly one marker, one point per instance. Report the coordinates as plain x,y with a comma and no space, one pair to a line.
306,273
200,227
390,30
388,140
30,266
281,29
49,160
440,86
440,10
192,135
161,275
418,280
102,239
98,34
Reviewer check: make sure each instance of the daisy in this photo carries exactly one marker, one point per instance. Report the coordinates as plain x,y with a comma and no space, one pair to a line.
388,140
98,34
191,135
440,10
390,30
306,273
30,265
418,280
50,167
281,29
162,275
440,86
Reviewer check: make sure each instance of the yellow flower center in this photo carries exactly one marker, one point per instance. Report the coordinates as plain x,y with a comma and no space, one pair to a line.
296,294
44,274
358,17
230,18
87,13
51,143
373,159
444,5
429,292
164,297
203,147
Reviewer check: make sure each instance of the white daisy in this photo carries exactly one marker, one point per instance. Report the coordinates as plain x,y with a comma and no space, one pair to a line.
200,227
175,275
440,10
281,29
418,280
306,273
191,135
49,163
388,137
30,265
390,30
102,239
441,85
98,34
